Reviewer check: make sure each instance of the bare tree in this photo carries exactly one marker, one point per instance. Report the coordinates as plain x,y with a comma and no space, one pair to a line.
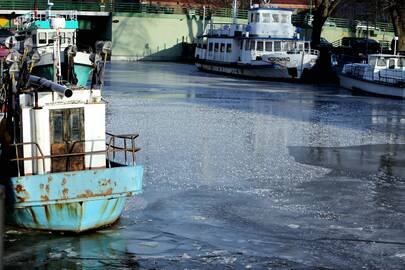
396,9
322,10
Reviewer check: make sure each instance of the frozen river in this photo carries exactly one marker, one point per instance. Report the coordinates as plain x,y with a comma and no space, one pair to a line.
244,175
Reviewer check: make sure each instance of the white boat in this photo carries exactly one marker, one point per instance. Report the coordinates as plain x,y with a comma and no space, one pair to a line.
268,47
383,75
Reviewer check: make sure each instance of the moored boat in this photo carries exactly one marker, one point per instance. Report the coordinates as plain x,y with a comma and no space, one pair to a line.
268,47
61,170
383,75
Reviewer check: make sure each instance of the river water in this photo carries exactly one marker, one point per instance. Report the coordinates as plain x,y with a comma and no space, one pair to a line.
243,174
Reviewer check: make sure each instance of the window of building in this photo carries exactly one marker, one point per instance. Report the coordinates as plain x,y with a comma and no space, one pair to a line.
277,46
259,46
276,18
269,46
228,48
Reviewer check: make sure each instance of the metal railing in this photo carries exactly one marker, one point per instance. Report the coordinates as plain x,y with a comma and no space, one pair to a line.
127,146
392,77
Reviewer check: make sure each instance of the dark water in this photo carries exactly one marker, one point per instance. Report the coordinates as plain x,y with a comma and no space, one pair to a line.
244,175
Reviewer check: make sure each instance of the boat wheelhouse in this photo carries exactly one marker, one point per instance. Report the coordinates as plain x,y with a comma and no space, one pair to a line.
267,47
49,32
384,74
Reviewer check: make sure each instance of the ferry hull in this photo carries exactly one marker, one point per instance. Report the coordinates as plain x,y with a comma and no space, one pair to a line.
267,72
72,201
371,88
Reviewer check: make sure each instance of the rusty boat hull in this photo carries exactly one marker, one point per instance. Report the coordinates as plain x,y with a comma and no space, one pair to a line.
72,201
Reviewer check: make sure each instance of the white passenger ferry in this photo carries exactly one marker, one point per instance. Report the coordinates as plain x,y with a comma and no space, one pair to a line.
267,47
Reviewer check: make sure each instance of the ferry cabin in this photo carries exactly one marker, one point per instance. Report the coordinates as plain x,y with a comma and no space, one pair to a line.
247,50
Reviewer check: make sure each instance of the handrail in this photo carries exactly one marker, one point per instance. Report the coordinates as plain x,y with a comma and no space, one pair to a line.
111,148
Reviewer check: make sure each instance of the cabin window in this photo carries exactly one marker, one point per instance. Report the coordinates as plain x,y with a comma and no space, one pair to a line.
42,38
300,47
228,48
401,62
210,47
252,45
257,17
75,126
247,47
251,17
392,64
285,46
284,18
372,61
266,17
277,46
276,18
58,127
222,47
259,46
381,62
269,46
216,47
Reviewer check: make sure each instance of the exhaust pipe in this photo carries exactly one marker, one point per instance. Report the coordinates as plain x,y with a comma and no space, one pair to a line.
60,89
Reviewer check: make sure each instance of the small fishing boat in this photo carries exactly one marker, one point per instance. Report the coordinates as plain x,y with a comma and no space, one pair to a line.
268,47
384,75
61,170
47,32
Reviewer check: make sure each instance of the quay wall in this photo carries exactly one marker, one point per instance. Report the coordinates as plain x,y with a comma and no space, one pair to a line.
161,37
155,37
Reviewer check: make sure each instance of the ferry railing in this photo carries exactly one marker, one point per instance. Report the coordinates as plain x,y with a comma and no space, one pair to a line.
127,147
392,77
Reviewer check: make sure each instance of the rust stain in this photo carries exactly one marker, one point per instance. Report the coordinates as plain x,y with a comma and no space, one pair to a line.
41,186
44,198
49,179
65,192
89,193
64,181
114,207
19,188
34,218
104,182
48,216
47,188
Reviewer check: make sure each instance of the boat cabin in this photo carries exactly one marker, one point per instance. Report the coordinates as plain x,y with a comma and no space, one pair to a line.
386,61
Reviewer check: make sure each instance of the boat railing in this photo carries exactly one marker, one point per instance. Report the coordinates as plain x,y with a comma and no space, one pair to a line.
393,77
114,144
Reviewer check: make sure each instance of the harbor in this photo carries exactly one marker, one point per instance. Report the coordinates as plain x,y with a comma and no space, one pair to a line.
247,140
265,175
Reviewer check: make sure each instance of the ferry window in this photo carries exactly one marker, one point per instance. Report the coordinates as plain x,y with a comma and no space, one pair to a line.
222,47
300,47
42,38
276,18
269,46
257,17
266,17
210,47
381,62
392,64
284,18
277,46
251,17
259,46
247,47
252,45
216,47
286,46
401,62
228,48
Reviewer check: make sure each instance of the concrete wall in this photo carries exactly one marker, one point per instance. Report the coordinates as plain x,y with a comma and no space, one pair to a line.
138,36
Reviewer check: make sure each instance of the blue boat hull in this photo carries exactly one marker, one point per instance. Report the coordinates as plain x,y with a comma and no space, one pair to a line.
72,201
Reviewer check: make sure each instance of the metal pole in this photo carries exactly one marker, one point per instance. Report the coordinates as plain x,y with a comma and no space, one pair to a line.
2,215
